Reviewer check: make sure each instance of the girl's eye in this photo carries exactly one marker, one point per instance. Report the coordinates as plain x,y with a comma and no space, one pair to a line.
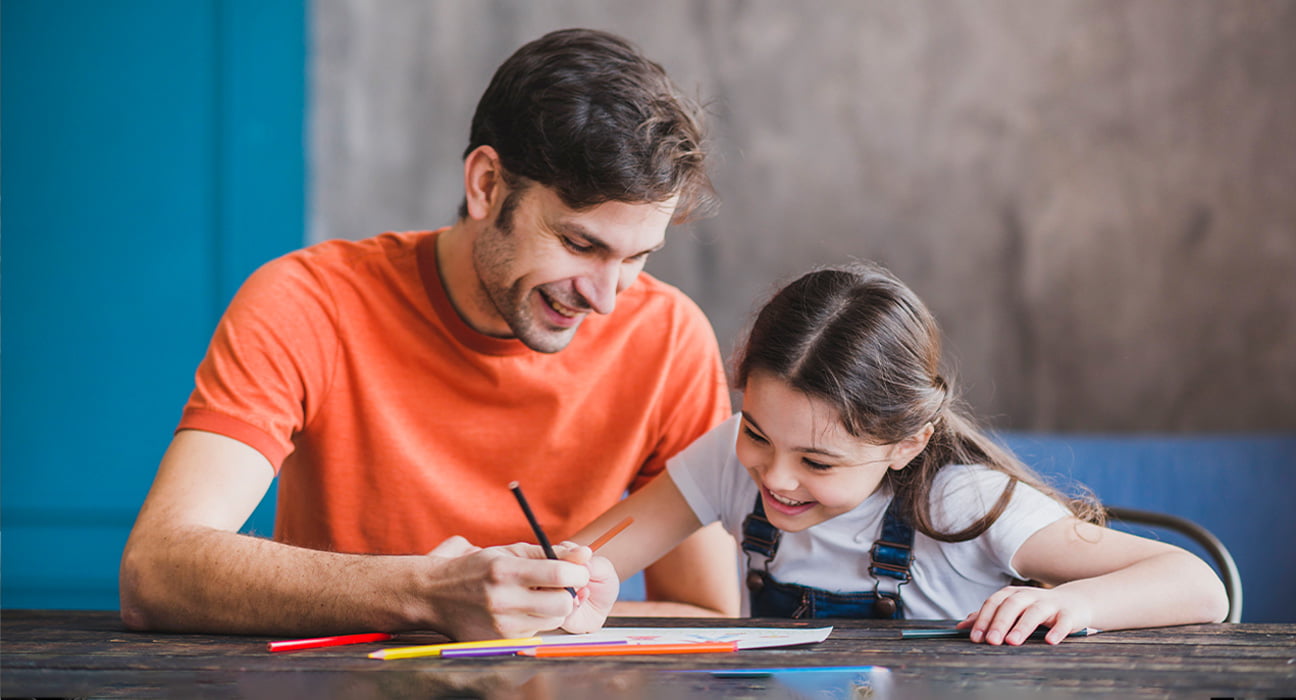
754,436
817,466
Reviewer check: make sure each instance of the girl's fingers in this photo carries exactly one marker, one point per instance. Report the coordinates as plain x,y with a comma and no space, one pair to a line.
983,618
1031,618
1005,617
574,553
1063,624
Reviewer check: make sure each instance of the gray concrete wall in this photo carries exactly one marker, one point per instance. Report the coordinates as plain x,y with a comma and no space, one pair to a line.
1096,197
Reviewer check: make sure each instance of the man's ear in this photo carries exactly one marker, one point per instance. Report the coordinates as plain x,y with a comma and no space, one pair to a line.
483,183
910,447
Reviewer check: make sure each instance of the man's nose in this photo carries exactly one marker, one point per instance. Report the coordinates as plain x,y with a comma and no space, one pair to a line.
600,287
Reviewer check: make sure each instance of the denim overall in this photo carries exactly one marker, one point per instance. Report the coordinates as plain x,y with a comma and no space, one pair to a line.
891,557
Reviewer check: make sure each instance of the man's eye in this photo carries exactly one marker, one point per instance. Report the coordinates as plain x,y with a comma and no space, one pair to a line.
753,436
576,247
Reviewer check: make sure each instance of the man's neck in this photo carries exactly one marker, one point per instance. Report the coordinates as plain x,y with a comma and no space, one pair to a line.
455,267
458,276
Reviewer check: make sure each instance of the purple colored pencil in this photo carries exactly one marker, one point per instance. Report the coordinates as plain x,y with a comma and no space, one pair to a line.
511,650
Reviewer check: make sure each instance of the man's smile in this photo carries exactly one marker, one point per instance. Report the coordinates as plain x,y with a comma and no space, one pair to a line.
559,314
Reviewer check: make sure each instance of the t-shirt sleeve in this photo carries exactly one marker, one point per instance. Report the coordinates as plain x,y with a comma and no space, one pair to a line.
963,494
697,393
268,360
705,476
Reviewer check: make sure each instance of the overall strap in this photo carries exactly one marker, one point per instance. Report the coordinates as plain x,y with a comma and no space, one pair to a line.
759,536
892,555
893,552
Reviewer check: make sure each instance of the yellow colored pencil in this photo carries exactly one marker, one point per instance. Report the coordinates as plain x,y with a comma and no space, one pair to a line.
435,649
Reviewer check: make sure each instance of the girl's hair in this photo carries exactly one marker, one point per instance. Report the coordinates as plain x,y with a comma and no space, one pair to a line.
859,339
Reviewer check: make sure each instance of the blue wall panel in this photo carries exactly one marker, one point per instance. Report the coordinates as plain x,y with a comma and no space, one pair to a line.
152,156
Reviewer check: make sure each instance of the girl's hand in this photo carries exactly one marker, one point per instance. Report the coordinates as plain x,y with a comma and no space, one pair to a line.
1011,614
594,601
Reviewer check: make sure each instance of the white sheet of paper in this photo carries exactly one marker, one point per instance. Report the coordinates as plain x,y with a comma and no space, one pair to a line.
747,637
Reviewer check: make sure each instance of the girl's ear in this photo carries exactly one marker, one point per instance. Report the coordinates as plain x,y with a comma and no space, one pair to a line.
910,447
482,181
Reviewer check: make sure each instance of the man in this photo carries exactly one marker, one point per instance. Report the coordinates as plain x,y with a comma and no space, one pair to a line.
396,385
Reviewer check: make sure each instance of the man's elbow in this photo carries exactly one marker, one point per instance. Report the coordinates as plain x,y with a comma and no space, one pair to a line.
138,609
132,616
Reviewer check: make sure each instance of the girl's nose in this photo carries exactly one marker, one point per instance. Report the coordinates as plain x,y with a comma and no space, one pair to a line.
779,476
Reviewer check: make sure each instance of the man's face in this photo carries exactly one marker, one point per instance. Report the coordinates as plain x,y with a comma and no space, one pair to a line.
543,266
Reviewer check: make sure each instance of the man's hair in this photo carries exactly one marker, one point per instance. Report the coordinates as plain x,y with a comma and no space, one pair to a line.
584,113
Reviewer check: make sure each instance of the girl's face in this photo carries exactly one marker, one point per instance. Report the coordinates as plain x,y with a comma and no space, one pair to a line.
807,466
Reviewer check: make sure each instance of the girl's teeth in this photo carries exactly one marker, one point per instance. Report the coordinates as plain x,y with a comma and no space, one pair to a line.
787,501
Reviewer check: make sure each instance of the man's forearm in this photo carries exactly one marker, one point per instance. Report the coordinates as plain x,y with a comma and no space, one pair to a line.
202,579
205,580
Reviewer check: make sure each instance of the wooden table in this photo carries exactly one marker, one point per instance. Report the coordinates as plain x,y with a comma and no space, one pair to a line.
90,654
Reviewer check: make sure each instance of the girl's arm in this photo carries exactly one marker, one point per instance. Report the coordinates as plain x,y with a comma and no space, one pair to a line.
1099,578
662,519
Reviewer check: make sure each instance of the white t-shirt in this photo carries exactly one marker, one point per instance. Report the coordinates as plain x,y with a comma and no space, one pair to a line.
950,580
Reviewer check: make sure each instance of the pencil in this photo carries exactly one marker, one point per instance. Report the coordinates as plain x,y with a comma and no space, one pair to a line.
605,537
514,649
554,650
316,642
516,488
948,632
436,649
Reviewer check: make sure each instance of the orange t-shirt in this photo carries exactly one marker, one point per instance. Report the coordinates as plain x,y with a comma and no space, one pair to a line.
394,425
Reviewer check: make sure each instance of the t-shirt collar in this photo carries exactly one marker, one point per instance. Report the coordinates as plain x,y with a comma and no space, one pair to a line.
434,286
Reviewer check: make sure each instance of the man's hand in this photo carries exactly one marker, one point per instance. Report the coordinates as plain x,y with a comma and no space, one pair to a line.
505,592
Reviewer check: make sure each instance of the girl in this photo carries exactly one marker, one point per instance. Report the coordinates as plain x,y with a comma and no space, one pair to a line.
859,488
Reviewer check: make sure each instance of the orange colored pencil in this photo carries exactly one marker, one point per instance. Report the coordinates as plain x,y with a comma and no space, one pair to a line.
605,537
552,650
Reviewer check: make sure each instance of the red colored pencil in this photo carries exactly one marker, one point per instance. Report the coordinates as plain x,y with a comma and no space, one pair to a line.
551,650
316,642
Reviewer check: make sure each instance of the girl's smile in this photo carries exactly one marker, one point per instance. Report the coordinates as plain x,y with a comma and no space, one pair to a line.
786,506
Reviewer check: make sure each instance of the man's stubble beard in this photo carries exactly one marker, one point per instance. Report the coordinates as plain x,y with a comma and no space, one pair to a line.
493,256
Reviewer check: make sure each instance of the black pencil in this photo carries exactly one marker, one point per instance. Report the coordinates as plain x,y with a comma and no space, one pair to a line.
516,488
